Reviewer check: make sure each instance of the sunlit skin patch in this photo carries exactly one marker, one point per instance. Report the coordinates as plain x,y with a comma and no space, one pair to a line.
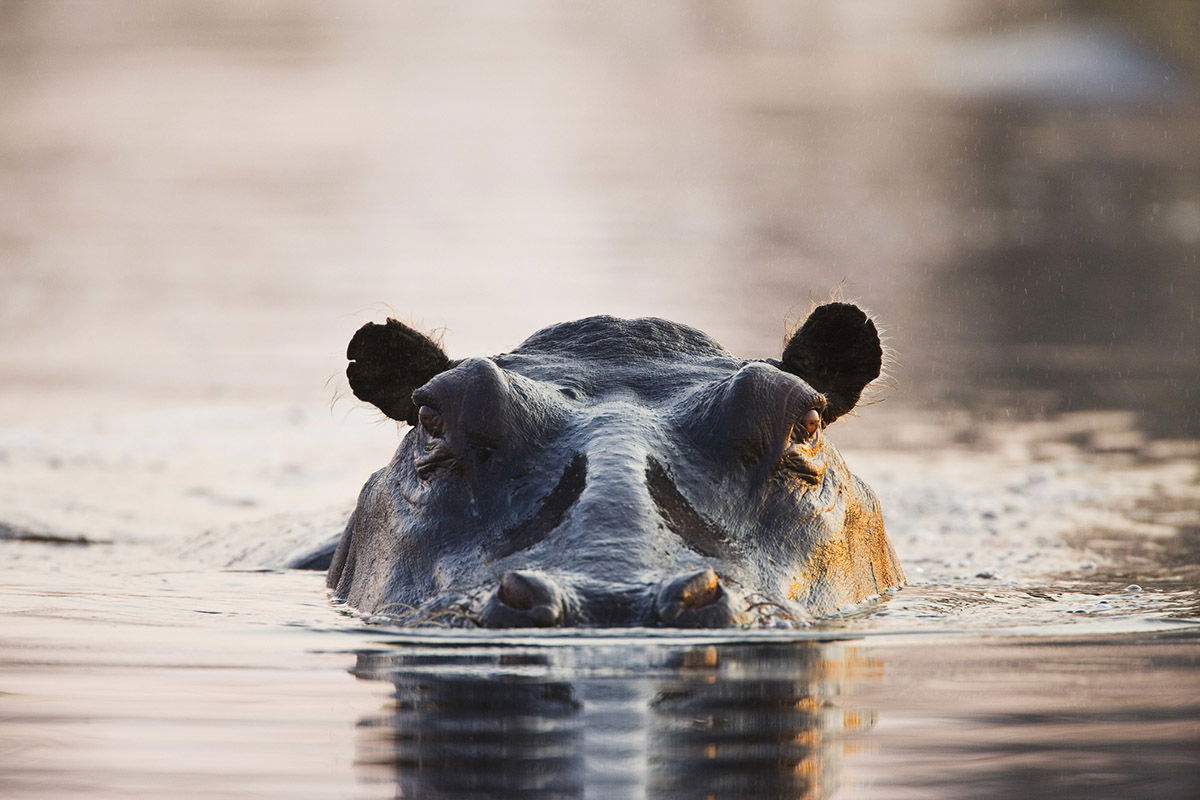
830,561
825,558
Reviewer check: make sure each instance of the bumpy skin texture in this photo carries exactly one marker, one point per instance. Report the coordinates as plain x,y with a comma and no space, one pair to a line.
615,472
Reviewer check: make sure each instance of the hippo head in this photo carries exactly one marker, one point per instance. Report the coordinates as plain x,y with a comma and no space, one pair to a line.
613,472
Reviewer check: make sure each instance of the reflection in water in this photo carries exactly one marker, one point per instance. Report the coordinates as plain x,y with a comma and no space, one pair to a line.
614,721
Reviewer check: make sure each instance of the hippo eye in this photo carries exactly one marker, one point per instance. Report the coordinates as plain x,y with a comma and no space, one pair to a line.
431,421
810,424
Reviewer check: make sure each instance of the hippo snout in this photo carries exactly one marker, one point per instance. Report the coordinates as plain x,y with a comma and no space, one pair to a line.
529,599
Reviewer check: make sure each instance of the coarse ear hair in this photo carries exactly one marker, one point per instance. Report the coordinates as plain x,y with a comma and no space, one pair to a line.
388,363
837,352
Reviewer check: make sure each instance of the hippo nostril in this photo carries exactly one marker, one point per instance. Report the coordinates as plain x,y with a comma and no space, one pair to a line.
517,591
697,590
544,616
526,598
695,600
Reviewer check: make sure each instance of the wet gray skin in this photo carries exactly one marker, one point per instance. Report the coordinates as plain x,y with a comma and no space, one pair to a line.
614,472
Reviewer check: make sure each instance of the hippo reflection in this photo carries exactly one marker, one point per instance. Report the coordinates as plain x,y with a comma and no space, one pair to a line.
662,722
614,472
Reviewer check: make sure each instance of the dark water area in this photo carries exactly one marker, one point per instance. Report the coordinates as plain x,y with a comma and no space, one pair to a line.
200,202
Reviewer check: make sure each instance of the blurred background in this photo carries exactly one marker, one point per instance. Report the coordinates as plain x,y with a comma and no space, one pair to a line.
201,201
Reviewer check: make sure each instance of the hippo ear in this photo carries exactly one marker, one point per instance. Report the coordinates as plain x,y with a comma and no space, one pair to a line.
837,352
388,363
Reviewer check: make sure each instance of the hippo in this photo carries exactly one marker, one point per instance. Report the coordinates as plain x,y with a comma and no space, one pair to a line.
615,473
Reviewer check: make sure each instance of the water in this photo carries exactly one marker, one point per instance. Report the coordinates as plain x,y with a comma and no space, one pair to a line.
246,685
199,204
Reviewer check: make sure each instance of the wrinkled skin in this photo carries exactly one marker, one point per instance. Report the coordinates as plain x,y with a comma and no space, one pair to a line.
615,472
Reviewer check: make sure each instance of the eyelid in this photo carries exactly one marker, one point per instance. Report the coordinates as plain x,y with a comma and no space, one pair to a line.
423,398
805,412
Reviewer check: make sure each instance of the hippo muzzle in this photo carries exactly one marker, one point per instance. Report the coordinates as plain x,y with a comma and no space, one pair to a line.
615,472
